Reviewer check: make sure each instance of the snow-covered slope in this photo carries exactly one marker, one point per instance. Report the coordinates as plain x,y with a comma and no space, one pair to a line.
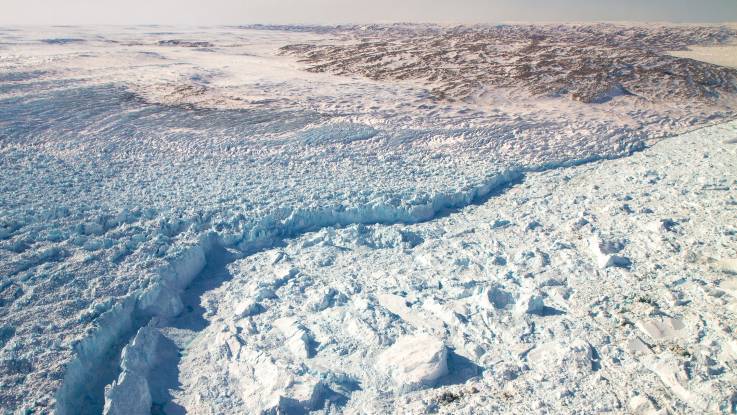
138,164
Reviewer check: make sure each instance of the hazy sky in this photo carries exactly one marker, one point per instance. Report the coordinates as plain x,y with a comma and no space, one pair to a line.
359,11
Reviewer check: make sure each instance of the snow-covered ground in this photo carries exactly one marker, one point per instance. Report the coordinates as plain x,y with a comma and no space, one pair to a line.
725,55
191,220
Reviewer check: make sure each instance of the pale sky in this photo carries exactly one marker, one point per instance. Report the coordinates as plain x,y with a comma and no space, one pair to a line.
211,12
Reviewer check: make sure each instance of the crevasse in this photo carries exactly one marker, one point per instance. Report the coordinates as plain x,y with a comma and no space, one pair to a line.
129,319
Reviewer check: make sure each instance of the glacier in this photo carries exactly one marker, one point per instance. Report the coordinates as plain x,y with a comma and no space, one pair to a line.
144,170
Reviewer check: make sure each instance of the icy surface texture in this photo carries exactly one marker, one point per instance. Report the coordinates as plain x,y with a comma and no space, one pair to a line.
139,163
525,316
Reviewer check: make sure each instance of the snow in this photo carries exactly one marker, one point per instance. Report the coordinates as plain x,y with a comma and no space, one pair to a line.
724,55
662,328
191,221
295,336
415,361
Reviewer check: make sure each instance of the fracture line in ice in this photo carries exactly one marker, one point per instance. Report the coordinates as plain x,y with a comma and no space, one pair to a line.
162,298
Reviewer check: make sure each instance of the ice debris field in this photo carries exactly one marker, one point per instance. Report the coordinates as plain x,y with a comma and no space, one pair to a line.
228,220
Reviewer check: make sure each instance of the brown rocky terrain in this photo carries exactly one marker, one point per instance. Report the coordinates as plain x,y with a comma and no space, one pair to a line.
588,63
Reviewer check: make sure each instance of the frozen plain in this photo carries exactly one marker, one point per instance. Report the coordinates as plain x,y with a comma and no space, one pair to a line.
198,199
